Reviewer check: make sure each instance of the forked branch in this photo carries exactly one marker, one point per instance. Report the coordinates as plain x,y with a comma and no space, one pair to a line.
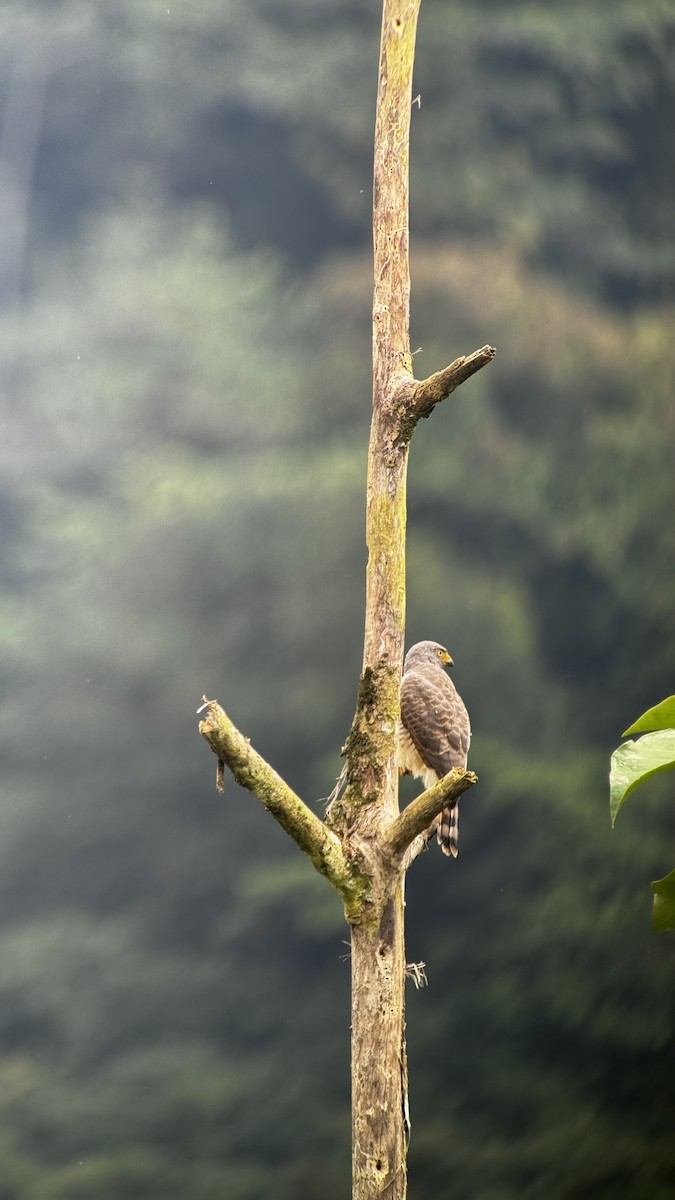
310,833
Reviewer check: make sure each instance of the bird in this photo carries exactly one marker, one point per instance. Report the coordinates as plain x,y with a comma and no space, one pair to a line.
434,730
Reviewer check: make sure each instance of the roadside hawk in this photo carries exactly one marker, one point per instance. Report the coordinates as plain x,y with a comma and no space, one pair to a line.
435,731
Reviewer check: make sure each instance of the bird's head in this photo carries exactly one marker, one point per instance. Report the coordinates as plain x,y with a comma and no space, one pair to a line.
429,653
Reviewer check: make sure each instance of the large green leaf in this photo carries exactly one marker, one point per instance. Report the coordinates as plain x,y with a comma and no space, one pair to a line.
661,716
635,762
663,915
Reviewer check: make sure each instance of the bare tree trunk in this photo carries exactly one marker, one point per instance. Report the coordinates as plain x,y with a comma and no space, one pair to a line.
380,1123
379,1067
365,845
379,1070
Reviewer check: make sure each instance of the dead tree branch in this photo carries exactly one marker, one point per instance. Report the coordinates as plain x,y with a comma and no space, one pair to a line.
429,392
418,815
367,845
310,833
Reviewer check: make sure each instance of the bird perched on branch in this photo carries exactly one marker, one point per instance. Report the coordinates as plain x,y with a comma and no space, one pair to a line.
435,730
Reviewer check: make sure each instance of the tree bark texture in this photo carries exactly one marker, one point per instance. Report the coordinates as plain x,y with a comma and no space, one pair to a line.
379,1066
383,842
364,846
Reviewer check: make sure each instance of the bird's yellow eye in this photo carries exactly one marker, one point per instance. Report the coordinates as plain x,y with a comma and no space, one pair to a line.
439,653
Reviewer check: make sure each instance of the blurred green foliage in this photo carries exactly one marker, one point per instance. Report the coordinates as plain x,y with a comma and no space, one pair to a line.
634,763
184,375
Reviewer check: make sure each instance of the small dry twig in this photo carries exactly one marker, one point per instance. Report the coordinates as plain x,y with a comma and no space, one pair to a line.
417,972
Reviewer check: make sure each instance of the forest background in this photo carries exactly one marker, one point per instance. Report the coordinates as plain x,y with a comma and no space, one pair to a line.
185,386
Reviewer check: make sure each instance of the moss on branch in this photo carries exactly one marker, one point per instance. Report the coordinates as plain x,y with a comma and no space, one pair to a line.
314,838
417,817
417,399
429,392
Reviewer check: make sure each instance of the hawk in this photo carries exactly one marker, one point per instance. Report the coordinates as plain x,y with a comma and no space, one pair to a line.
435,731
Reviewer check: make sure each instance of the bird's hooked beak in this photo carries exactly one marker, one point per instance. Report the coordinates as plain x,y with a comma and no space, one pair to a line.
447,659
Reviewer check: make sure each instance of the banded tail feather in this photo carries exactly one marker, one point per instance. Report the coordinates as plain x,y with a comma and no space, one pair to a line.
447,831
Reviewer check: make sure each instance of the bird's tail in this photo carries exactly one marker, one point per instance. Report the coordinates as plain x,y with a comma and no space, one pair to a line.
447,831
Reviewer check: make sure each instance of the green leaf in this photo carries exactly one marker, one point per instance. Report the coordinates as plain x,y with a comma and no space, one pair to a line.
663,914
661,716
635,762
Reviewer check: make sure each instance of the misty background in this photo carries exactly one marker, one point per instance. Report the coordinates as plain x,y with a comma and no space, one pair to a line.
185,289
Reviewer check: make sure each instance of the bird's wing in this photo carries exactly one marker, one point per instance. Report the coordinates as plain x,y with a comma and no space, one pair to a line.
436,719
